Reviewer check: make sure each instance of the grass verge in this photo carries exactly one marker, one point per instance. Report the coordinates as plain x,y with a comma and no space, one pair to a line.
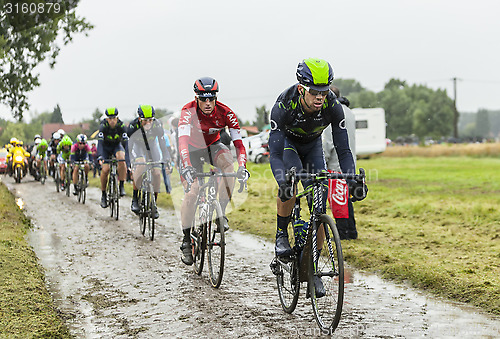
432,222
26,307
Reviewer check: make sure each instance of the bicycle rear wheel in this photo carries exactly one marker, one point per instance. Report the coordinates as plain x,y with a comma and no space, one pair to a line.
330,268
216,246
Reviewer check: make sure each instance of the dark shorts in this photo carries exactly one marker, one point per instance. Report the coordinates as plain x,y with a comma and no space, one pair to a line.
138,150
109,150
206,155
307,157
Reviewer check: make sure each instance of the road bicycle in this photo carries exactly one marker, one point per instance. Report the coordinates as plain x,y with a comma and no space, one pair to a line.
112,193
147,199
207,228
82,184
310,259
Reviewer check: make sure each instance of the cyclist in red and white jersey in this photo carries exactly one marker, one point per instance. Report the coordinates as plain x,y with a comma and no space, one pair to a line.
199,128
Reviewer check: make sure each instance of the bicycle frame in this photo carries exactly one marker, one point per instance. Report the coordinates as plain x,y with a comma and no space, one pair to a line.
311,263
316,193
207,232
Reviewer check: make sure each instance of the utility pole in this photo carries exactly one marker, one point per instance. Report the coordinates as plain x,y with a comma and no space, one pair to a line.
455,111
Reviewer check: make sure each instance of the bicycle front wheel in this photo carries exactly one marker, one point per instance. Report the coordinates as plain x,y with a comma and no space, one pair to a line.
68,181
151,218
43,174
57,178
142,213
216,246
116,197
329,267
82,193
111,198
199,238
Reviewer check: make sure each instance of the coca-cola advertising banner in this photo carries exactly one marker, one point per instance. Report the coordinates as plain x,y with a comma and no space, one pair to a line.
337,197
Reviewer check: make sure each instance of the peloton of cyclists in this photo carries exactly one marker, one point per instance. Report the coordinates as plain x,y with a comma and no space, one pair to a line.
199,129
80,152
146,143
112,135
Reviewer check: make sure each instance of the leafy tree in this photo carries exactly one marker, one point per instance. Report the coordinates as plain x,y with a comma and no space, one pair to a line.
364,99
95,122
28,39
395,84
482,123
347,86
57,115
262,117
397,107
162,112
41,119
14,130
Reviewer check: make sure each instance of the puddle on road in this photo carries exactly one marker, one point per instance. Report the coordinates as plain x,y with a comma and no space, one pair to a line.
411,313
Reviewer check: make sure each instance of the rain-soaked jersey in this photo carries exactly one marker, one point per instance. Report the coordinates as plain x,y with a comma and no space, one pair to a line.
289,120
200,130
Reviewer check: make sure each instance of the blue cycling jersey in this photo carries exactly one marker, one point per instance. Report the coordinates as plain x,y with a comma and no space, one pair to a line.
289,122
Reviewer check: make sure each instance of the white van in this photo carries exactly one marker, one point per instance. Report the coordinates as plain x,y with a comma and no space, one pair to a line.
257,147
370,130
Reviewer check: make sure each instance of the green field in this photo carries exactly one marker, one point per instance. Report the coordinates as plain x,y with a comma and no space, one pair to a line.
432,222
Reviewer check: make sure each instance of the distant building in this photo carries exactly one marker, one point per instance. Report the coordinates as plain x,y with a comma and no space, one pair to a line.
48,129
250,130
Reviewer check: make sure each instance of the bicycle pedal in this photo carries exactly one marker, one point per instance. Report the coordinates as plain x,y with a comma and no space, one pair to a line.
274,266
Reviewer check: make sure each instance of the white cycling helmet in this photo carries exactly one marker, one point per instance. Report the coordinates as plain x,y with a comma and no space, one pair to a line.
56,135
61,131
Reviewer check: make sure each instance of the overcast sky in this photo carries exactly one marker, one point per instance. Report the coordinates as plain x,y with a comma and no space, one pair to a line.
151,51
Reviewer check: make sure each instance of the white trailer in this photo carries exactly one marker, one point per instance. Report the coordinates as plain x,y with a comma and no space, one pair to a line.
370,130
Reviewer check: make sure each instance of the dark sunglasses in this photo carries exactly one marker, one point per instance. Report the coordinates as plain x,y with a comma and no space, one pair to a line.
81,143
315,93
204,99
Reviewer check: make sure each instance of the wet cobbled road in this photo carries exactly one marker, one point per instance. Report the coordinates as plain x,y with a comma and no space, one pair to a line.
111,282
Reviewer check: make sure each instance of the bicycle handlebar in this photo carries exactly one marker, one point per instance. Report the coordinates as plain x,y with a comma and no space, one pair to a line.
108,161
292,176
243,184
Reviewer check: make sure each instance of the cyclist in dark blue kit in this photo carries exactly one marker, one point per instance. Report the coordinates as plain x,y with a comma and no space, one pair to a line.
298,118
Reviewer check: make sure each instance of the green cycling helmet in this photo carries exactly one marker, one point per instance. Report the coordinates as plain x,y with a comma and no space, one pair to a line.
111,112
315,73
66,141
146,111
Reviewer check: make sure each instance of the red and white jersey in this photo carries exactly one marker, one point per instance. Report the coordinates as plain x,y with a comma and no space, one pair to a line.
200,130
